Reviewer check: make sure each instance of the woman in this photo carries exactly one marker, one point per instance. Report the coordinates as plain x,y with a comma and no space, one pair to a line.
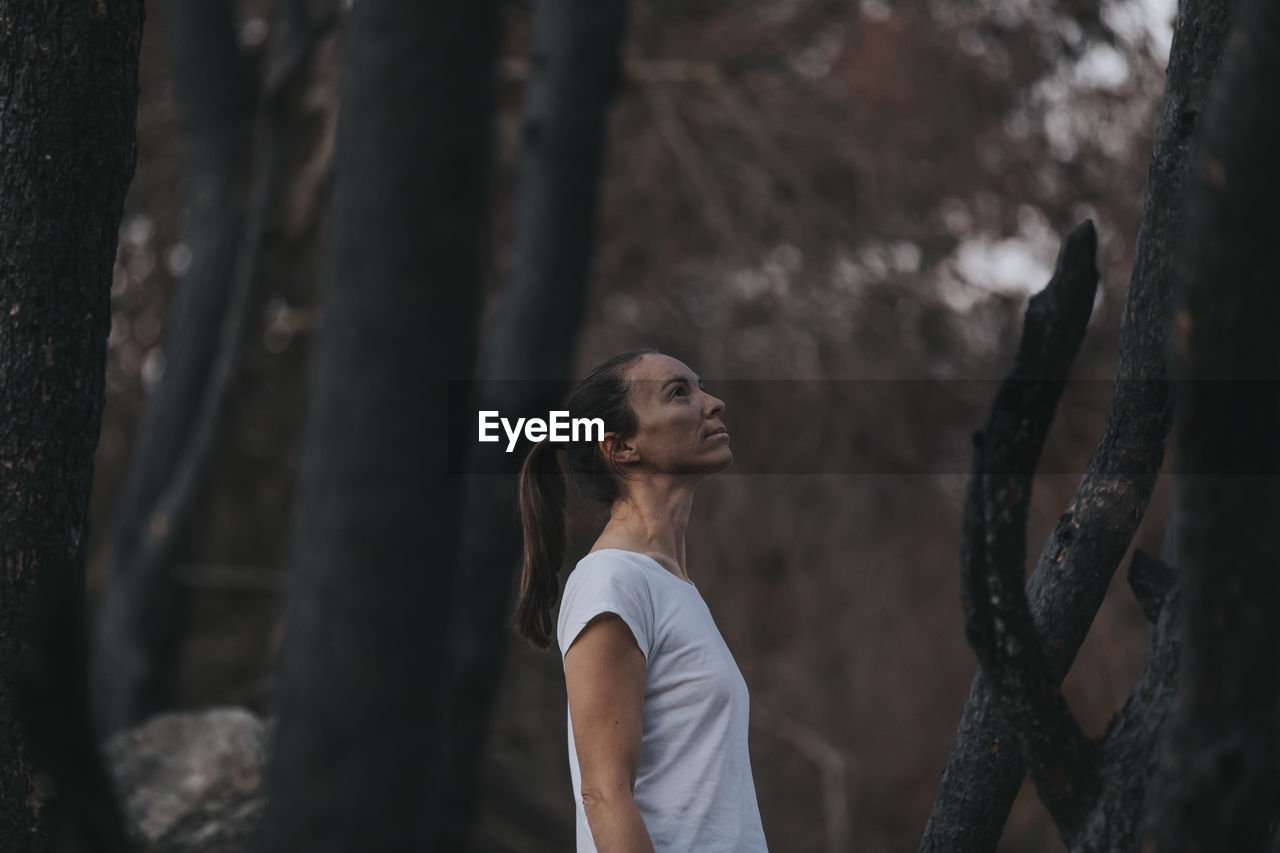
657,707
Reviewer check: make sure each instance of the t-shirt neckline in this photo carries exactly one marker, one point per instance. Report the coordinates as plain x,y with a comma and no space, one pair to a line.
658,565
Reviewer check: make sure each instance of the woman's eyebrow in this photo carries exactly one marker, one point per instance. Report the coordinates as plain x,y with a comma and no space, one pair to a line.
679,379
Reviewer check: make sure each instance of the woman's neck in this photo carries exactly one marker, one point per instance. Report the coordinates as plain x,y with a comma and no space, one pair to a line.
652,518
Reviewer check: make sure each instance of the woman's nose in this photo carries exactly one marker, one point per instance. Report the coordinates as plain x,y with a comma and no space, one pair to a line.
717,405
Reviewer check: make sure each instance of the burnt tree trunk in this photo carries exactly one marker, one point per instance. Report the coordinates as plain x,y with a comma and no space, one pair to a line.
1219,776
68,109
364,660
573,72
1075,567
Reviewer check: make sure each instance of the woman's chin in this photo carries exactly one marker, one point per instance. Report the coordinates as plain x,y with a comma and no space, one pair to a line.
708,463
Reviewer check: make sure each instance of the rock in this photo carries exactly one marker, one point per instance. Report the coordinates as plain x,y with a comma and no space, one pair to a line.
191,781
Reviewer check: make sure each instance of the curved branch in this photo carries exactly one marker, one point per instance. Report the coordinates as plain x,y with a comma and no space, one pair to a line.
998,621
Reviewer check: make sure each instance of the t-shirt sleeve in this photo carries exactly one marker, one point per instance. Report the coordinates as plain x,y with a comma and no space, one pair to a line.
606,586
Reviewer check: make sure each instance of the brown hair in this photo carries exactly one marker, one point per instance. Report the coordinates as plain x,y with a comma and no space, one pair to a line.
603,394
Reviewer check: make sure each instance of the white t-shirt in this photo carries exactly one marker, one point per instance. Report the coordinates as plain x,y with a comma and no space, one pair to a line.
694,787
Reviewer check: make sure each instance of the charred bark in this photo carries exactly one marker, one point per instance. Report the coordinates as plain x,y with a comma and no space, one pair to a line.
68,109
1219,775
574,71
1151,580
1094,791
362,673
1061,760
1075,567
1127,753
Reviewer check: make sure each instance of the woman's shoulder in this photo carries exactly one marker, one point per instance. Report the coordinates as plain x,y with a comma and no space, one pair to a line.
603,580
610,571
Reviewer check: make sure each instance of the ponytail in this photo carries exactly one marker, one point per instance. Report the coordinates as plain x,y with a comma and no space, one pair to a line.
603,394
542,502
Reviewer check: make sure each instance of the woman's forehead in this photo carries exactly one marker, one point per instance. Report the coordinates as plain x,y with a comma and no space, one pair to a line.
660,368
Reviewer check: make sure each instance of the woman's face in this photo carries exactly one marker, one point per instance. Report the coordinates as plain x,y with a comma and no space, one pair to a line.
680,429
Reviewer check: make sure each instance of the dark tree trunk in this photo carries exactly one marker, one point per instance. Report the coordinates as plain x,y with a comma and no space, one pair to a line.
1219,773
364,660
138,621
985,767
237,157
68,108
529,352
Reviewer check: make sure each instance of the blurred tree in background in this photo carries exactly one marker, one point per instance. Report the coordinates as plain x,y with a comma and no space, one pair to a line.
364,668
526,359
238,150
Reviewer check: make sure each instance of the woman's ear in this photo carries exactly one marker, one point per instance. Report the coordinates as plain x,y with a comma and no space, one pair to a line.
617,450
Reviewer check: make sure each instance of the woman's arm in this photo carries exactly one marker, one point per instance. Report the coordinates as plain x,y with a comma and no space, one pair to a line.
604,673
